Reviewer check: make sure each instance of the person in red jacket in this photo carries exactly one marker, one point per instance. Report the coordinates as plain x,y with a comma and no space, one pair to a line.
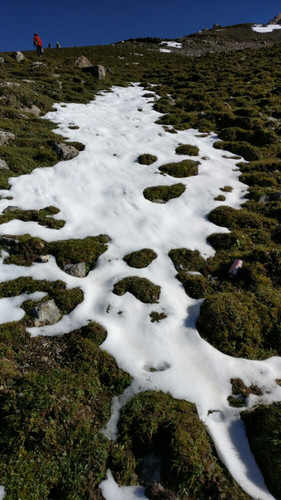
38,43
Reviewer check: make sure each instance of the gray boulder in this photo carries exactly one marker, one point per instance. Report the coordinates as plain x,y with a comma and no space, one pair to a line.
77,270
3,165
2,60
83,62
46,313
5,137
33,110
11,208
65,151
38,64
97,71
18,56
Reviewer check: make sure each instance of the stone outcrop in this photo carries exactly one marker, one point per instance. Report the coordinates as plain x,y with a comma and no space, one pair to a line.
33,110
38,63
2,60
83,62
276,20
65,151
3,165
77,270
46,313
11,208
18,56
97,71
5,137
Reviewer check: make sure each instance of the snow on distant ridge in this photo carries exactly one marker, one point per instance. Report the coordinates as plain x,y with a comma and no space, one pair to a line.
175,45
259,28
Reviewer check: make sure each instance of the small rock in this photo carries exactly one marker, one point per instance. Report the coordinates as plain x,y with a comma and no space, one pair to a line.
10,208
83,62
97,71
66,152
3,165
38,63
155,491
9,84
263,199
33,110
44,359
46,313
18,56
43,258
2,60
5,137
77,270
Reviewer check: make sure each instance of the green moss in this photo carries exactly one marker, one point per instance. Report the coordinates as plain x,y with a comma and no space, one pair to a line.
162,194
66,299
226,189
170,429
196,286
220,197
264,434
187,149
155,316
239,324
143,289
73,251
185,168
43,217
140,258
147,159
23,250
249,152
54,409
187,260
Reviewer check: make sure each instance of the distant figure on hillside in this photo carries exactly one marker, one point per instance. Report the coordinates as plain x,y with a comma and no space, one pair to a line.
58,45
38,43
49,45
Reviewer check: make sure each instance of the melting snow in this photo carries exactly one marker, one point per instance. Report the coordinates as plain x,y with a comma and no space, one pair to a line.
259,28
100,192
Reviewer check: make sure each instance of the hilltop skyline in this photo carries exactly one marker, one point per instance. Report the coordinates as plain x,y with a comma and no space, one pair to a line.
103,23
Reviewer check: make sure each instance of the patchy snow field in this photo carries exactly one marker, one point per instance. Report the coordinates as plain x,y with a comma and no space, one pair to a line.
266,29
101,192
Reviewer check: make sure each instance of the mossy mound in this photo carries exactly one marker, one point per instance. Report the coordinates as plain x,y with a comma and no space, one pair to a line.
147,159
241,324
66,299
237,219
73,251
187,149
196,286
263,428
43,217
54,408
185,168
140,258
242,148
155,423
23,250
187,260
143,289
162,194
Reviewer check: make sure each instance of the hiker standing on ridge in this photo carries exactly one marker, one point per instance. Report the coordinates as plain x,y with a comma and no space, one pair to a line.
38,43
58,45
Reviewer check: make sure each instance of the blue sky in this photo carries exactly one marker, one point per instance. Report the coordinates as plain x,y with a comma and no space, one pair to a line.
101,22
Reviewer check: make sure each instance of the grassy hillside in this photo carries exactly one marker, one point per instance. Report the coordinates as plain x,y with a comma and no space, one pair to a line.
55,393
